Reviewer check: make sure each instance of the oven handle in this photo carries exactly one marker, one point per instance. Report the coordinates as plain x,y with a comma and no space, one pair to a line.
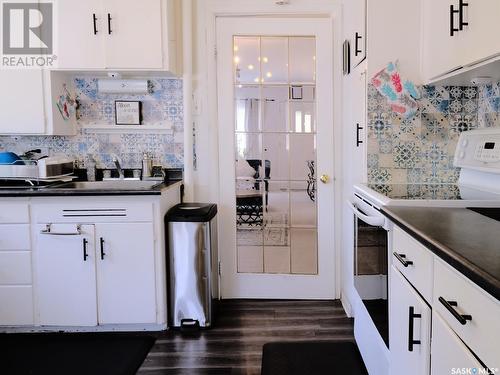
376,221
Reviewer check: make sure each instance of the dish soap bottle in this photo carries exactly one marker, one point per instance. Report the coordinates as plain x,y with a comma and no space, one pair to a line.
146,166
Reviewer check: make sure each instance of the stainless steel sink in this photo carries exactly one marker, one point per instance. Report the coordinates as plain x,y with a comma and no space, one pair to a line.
110,185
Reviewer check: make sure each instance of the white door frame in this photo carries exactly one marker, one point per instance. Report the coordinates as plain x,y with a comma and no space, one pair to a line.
205,86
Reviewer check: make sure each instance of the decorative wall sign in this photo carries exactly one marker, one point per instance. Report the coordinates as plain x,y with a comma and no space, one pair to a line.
128,112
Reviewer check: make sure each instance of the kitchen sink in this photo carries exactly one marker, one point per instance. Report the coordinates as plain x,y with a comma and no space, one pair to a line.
109,185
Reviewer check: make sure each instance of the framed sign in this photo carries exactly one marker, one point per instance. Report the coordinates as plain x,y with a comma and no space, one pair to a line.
128,112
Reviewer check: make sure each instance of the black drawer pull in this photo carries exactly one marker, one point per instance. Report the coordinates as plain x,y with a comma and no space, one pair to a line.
85,254
402,259
461,6
109,24
358,140
357,50
94,19
411,317
449,306
453,29
102,248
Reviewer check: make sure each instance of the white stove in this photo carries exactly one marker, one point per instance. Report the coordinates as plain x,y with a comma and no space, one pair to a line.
478,157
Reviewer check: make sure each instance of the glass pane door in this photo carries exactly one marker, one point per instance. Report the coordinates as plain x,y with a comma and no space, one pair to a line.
275,153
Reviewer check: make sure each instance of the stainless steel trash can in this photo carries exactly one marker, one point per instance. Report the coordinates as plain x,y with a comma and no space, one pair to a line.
193,269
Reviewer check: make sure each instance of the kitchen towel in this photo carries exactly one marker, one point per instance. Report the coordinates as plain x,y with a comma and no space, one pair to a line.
400,94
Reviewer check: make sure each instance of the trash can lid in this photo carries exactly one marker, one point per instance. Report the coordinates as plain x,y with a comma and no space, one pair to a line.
192,212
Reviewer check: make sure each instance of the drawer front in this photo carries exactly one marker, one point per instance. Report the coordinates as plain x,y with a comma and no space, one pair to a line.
14,212
482,331
17,305
15,237
93,213
419,262
448,351
15,267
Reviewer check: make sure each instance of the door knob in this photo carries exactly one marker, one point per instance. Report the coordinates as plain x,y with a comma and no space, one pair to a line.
324,178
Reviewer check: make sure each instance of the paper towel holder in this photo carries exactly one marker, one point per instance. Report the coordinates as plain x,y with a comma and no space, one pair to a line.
123,86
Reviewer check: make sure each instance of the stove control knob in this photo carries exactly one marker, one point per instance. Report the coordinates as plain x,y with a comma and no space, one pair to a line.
465,142
461,155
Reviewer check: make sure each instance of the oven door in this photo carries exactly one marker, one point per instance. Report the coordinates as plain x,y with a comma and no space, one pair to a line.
370,262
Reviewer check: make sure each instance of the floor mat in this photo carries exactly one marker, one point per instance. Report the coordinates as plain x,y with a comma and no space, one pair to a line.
73,353
312,358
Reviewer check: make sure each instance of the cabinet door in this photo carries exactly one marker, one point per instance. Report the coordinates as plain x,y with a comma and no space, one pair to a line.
409,321
82,28
441,51
66,280
355,25
134,34
448,351
19,88
481,41
125,273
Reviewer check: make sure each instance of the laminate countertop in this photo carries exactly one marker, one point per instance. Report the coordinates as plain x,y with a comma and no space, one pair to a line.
54,191
468,241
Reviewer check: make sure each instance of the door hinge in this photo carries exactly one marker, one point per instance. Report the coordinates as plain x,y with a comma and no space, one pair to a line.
215,51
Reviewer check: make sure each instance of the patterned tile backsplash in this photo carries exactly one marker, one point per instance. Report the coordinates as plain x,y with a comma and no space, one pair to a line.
162,106
420,150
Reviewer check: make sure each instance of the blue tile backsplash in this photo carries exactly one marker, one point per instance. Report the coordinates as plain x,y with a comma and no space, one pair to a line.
420,150
161,107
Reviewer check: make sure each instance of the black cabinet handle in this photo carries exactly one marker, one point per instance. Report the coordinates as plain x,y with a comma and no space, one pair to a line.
357,50
94,20
461,6
102,248
85,254
402,259
453,29
358,140
449,306
411,317
109,24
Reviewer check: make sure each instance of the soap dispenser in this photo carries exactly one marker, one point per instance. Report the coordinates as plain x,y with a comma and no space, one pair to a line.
146,166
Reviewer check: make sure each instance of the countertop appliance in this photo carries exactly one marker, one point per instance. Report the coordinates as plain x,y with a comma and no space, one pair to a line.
478,157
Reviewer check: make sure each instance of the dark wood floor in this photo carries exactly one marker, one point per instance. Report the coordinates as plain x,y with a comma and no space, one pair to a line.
234,345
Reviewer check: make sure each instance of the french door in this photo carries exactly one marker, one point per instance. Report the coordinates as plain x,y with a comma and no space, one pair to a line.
275,112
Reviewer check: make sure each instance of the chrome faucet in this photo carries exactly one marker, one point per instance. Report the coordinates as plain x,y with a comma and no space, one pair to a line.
118,167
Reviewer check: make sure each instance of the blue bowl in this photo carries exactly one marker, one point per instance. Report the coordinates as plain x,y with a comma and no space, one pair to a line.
10,158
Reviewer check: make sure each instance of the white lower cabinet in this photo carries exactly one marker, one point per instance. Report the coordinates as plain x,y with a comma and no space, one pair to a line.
16,305
125,273
448,351
95,274
66,287
409,328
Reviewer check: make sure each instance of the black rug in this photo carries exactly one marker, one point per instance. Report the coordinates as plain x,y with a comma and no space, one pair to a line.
312,358
73,353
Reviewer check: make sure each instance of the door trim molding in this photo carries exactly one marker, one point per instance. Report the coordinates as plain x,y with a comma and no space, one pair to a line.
206,178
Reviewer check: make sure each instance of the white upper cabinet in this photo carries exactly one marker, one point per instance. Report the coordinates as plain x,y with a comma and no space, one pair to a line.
134,31
24,86
458,33
40,91
481,34
118,34
81,32
355,29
